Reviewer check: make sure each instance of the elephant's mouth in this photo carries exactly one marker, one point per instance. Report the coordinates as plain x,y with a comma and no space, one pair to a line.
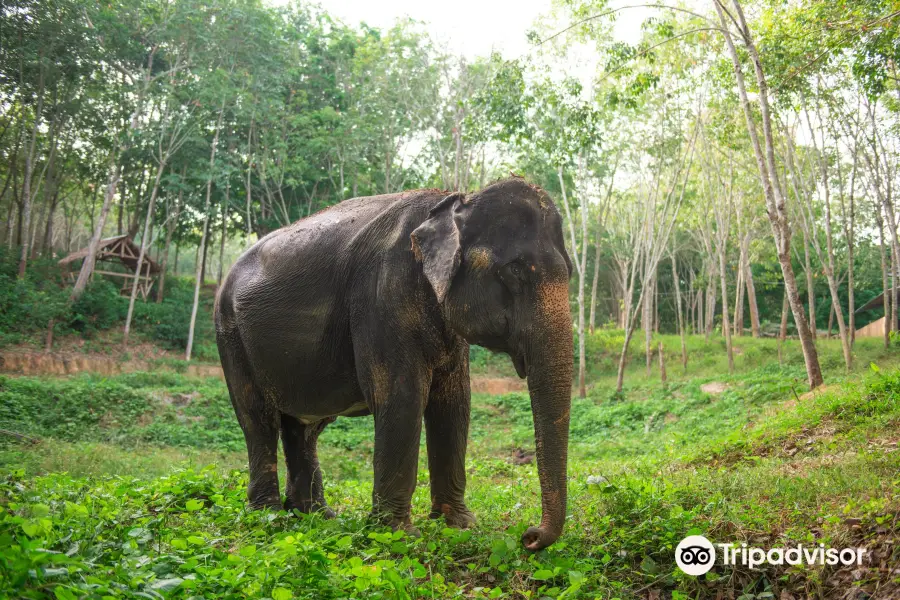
520,363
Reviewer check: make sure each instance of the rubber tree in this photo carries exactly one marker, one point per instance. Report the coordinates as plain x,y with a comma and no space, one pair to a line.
768,173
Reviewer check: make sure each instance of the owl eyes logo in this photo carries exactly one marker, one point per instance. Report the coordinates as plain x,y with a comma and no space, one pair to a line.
695,555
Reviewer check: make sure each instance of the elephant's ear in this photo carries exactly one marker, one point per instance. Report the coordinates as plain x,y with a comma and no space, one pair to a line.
436,244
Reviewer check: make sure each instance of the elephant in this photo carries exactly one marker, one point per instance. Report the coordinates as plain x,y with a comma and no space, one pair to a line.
369,307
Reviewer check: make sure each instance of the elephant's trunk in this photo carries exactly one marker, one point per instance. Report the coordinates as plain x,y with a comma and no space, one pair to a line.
549,366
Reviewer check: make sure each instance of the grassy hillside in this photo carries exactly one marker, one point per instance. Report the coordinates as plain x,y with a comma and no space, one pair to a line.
134,486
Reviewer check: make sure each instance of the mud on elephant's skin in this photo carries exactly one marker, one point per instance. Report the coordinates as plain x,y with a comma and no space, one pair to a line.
369,307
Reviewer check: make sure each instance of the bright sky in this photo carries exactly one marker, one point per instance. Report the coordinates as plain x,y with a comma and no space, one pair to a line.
471,27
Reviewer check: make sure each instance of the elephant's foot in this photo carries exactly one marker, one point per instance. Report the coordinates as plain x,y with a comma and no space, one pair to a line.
309,507
403,524
266,502
456,515
263,495
406,526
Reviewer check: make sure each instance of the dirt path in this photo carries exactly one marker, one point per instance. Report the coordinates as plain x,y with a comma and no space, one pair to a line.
64,363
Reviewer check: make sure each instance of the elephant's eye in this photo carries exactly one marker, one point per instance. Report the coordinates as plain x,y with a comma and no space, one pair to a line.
516,269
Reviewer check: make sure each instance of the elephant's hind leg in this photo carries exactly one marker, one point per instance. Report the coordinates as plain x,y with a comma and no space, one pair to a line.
260,427
304,477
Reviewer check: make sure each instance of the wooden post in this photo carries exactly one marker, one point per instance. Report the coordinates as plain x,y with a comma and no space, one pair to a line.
48,347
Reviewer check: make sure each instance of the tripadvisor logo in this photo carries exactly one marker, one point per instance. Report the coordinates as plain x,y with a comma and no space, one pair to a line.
695,555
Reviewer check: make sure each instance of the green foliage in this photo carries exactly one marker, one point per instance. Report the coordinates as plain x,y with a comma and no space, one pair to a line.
27,305
169,321
101,307
116,499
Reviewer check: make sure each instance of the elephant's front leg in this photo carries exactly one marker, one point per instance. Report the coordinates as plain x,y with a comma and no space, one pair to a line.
397,396
447,431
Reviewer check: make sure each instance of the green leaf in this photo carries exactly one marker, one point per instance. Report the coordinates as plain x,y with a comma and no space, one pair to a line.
193,505
281,593
542,575
167,585
63,593
247,551
399,548
196,540
498,547
648,565
344,543
76,510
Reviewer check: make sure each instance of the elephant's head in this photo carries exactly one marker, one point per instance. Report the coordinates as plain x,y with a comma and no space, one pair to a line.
499,268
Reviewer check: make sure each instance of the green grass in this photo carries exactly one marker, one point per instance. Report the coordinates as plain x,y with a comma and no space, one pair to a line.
135,487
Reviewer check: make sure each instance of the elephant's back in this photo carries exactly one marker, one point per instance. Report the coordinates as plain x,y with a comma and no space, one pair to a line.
325,232
301,273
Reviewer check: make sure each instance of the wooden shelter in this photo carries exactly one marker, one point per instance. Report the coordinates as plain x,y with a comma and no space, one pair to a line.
123,252
873,329
876,302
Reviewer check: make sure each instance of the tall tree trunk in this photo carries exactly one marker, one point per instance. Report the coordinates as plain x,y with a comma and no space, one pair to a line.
895,269
600,215
200,264
9,222
829,252
737,325
782,332
775,202
87,267
580,264
886,297
11,177
28,175
675,279
33,244
594,282
145,241
662,364
202,252
647,324
47,245
220,274
623,356
171,221
249,186
810,287
725,328
751,297
656,302
830,322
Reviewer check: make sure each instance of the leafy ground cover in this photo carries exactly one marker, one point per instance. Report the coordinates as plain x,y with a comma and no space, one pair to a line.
134,486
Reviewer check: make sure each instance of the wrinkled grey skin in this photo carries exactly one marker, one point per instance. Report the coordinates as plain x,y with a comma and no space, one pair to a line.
369,307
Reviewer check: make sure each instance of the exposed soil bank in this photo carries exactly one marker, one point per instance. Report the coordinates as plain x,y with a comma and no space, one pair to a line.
53,363
64,363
